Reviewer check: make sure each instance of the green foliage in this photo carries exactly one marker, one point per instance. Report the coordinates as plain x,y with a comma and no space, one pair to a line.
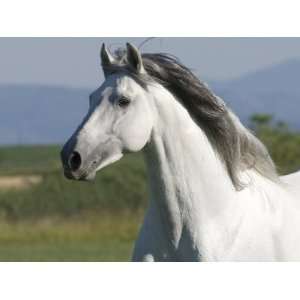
282,143
120,187
261,120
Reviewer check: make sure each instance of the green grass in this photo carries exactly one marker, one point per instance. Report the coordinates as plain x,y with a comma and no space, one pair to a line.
103,237
29,159
62,220
119,187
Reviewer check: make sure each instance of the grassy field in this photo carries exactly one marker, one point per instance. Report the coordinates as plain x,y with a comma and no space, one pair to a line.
61,220
89,238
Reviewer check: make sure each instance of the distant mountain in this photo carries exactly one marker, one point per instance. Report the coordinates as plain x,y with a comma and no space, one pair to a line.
46,114
274,90
40,114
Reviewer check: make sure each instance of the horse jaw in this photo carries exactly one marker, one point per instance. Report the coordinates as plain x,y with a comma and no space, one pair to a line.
110,160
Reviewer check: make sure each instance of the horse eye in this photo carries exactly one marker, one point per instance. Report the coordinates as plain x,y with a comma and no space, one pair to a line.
123,102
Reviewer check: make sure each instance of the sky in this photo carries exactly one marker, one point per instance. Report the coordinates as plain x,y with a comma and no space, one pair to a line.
75,62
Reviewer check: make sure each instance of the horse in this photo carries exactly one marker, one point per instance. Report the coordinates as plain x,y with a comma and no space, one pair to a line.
214,191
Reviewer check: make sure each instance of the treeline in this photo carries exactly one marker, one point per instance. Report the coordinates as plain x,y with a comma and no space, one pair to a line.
282,143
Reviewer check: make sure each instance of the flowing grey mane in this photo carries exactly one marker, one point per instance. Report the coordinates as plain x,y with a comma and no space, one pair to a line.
237,147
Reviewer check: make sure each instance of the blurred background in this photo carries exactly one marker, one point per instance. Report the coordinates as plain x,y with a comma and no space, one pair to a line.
44,89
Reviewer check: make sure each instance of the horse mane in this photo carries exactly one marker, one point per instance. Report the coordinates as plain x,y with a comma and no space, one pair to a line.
237,147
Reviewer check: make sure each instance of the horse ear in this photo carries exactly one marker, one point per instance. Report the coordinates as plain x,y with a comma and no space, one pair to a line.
135,59
106,58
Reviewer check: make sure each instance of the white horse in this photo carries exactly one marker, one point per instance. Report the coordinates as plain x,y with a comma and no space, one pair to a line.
214,191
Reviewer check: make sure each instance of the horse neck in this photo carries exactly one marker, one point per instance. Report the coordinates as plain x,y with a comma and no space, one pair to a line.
188,183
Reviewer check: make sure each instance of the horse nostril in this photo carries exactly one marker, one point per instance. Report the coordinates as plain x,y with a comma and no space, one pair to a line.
74,161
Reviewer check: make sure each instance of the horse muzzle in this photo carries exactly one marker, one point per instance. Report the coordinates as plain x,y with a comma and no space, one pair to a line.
82,163
78,167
